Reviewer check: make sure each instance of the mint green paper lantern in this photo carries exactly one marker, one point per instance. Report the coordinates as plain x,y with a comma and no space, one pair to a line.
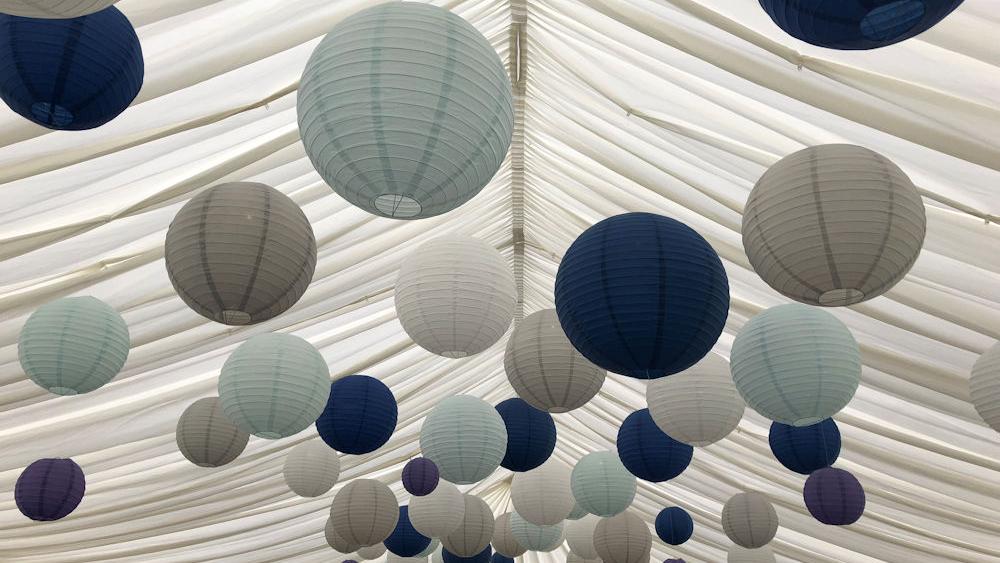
274,385
73,345
601,484
535,537
796,364
465,437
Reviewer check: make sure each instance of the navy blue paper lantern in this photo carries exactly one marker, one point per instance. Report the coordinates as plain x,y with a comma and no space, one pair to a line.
420,476
647,452
49,489
501,558
642,295
70,74
360,415
484,556
857,24
405,541
531,435
804,449
674,525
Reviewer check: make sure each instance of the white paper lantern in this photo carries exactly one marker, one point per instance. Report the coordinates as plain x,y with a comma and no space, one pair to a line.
543,496
545,369
53,9
335,540
749,519
439,513
833,225
371,552
984,386
364,512
475,531
602,485
504,541
311,469
698,406
580,536
465,437
206,437
738,554
535,537
624,538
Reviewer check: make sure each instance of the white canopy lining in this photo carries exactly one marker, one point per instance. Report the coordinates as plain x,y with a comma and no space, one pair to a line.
673,106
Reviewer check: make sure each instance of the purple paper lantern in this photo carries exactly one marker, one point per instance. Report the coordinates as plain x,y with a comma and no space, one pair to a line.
350,561
420,476
673,561
50,489
834,496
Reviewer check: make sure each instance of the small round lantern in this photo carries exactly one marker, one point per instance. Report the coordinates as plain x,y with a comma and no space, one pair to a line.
360,415
49,489
834,497
206,437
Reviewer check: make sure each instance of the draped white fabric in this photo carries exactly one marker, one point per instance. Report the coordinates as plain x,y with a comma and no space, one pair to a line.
672,106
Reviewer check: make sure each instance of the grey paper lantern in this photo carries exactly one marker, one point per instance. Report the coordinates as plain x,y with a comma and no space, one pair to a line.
311,469
415,119
475,531
984,386
545,369
431,548
371,552
833,225
206,437
455,296
337,541
738,554
439,513
504,541
698,406
574,558
240,253
749,519
624,538
274,385
53,9
543,496
602,485
580,536
535,537
466,438
73,345
364,512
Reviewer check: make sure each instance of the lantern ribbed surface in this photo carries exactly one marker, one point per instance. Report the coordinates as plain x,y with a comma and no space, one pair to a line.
484,556
543,496
642,295
834,496
698,406
674,525
49,489
240,253
371,552
364,512
337,541
649,453
854,25
73,345
465,437
749,519
535,537
405,540
738,554
577,512
311,469
474,532
405,110
438,513
624,538
984,386
804,449
455,296
580,536
601,485
274,385
574,558
504,542
54,9
360,415
206,437
796,364
434,546
420,476
531,435
833,225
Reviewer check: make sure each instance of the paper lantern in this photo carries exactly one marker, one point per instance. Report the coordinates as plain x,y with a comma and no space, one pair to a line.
749,519
543,496
432,547
311,469
857,25
497,558
833,225
466,438
504,543
535,537
49,489
834,496
642,295
350,561
420,476
336,541
438,513
53,9
371,552
455,296
647,452
574,558
405,540
984,386
796,364
601,485
739,554
580,536
674,525
624,538
474,532
804,449
274,385
364,512
484,556
240,253
206,437
531,435
545,369
416,120
360,415
73,345
70,74
577,513
698,406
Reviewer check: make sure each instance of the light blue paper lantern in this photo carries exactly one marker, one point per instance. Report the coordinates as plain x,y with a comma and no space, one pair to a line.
602,485
465,437
535,537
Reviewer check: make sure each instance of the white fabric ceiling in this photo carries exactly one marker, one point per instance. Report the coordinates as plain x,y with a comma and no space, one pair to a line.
673,106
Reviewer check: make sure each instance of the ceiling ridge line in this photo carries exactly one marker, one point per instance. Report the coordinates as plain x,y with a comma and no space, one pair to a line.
518,79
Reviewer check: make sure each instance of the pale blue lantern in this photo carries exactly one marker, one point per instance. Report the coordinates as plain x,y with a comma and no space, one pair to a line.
466,438
602,485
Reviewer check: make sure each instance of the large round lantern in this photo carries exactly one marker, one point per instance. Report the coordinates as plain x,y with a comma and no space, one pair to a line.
53,9
504,541
698,406
738,554
624,538
484,556
240,253
674,525
601,485
360,415
642,295
311,469
813,377
274,385
70,74
465,437
420,476
416,120
364,512
49,489
749,519
337,541
804,449
206,437
438,513
405,540
574,558
984,386
577,512
73,345
535,537
857,25
833,225
455,296
371,552
543,496
647,452
580,536
474,532
545,369
834,496
531,435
